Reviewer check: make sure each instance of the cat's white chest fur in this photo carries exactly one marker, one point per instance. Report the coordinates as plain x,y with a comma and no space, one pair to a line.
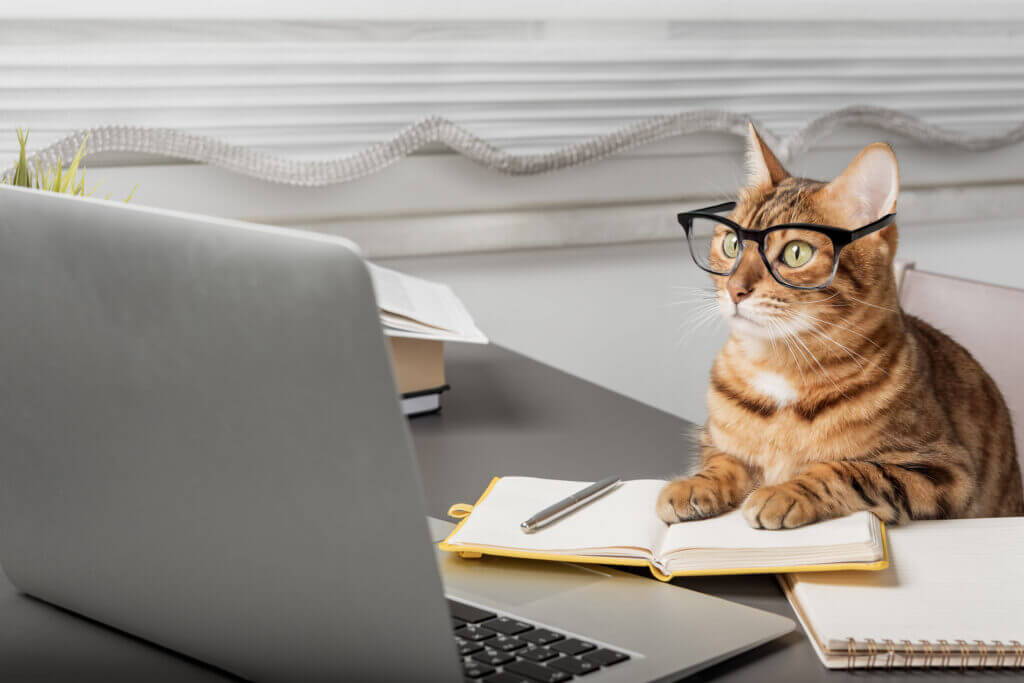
774,386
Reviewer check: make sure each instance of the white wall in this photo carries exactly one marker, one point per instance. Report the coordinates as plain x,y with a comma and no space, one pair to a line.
313,79
609,313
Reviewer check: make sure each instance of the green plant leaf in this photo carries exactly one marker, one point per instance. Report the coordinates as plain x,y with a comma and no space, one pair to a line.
53,178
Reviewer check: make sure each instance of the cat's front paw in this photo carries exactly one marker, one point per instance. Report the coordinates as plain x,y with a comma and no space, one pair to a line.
695,498
779,507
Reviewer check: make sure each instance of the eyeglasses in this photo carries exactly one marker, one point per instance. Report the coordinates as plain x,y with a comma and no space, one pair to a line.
798,255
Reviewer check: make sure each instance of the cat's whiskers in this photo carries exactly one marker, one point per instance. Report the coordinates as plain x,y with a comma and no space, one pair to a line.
813,301
818,301
776,329
881,308
821,367
842,327
799,367
695,298
819,332
771,324
853,354
706,312
704,302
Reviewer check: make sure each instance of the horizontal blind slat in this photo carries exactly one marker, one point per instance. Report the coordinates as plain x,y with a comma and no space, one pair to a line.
333,86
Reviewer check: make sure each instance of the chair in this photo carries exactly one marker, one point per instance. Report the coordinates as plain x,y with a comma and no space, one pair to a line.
987,320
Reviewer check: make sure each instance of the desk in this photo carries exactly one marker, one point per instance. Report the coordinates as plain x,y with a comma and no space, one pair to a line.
505,415
509,415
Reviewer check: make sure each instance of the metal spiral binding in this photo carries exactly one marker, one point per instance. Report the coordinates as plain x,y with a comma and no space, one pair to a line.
965,653
890,653
938,654
908,650
983,649
928,652
872,653
944,646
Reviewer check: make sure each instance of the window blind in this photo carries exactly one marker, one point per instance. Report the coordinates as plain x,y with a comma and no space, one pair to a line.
311,90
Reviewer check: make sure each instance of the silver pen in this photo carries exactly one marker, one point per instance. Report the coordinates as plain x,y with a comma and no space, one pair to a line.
568,505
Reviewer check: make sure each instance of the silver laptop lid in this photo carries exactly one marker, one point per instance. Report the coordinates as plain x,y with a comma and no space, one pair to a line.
200,443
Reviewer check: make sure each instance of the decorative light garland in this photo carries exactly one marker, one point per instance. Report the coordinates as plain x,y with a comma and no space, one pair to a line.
435,129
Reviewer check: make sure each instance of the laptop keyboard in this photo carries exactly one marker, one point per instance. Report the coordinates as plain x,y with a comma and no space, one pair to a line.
499,649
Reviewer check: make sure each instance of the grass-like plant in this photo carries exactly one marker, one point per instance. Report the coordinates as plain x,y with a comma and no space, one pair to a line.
54,178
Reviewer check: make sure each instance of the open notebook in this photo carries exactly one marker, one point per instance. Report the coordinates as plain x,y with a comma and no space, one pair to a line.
954,596
621,527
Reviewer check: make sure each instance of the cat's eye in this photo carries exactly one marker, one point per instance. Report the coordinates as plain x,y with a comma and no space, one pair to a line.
731,245
797,253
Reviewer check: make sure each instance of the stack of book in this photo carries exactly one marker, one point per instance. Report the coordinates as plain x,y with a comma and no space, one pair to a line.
418,317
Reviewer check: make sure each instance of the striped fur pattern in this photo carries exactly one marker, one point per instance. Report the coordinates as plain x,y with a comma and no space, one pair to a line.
823,403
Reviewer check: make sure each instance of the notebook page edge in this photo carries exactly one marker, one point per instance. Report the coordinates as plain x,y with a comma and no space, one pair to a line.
856,529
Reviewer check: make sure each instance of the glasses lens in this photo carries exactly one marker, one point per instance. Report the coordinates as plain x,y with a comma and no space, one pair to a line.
802,258
714,245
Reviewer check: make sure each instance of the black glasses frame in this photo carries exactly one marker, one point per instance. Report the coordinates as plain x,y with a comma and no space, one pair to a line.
840,237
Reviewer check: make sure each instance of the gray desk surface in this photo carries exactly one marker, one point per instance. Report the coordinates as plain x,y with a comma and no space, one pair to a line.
509,415
505,415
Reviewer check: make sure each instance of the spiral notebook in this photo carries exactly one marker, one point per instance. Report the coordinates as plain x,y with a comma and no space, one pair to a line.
953,596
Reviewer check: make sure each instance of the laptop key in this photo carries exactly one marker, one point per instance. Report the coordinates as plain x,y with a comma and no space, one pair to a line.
605,657
457,623
473,669
506,643
467,647
509,627
475,633
536,672
541,636
573,646
506,677
573,665
473,615
537,654
493,657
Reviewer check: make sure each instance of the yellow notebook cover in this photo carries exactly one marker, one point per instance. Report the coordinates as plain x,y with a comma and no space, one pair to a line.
462,512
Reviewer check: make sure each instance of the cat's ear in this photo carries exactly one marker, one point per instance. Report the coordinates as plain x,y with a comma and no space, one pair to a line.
868,188
763,168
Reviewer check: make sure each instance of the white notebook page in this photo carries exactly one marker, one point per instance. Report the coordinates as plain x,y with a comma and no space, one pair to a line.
948,580
732,531
624,517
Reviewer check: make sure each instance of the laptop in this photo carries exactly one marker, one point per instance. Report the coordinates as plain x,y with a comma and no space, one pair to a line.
202,446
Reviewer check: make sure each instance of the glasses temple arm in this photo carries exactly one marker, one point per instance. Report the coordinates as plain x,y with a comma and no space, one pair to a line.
717,208
882,222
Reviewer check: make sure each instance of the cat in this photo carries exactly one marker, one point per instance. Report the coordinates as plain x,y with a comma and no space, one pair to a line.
823,403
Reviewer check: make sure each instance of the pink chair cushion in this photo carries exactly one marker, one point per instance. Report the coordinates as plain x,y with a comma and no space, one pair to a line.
988,320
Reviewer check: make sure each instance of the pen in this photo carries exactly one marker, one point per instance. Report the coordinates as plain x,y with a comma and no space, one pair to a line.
568,505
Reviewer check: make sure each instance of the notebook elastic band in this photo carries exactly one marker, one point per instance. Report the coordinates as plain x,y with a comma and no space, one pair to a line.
460,510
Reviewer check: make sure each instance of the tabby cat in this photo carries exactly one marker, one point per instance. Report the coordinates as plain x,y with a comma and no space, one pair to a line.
823,403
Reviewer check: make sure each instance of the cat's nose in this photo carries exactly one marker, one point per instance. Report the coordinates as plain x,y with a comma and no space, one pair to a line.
739,292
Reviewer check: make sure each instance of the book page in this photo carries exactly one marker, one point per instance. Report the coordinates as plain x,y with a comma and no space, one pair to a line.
623,518
731,531
419,308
